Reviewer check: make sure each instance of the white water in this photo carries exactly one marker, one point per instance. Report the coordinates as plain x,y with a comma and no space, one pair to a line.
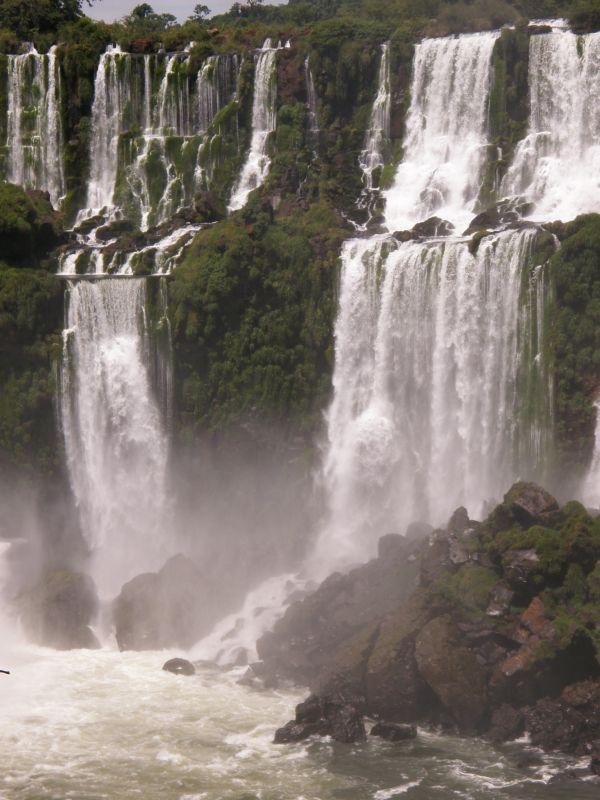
557,165
311,101
446,132
114,436
258,162
34,134
591,487
378,133
429,361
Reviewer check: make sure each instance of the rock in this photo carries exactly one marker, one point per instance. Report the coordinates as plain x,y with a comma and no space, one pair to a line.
392,546
459,521
453,673
503,214
432,227
307,644
507,723
88,225
258,676
58,611
394,688
114,229
570,723
179,666
209,207
519,567
528,759
531,505
435,558
595,758
417,532
501,598
165,609
324,716
394,732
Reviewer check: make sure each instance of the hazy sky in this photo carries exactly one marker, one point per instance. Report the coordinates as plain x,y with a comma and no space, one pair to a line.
115,9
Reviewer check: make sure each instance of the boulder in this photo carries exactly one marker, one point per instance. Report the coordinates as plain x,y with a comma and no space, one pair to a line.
570,722
58,611
507,723
308,644
453,673
394,732
501,598
114,229
432,227
164,609
531,505
179,666
330,715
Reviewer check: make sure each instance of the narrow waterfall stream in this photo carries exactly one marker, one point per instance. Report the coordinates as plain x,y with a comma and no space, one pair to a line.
256,166
378,133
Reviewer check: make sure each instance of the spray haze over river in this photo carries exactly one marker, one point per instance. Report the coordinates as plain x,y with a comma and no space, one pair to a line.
438,349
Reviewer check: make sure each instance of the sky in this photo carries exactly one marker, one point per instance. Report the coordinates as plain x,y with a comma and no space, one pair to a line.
110,10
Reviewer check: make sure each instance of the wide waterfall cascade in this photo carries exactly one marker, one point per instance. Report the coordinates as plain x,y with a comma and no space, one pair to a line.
433,346
177,108
34,131
446,132
371,158
115,440
257,164
557,165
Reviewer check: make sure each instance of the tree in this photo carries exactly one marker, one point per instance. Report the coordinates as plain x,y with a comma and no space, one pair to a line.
200,13
28,17
146,20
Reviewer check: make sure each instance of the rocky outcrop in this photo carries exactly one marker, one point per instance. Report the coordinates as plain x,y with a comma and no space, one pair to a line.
334,715
58,611
393,732
494,637
164,609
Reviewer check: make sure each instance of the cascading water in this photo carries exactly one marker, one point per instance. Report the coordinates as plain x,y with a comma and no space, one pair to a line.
114,436
557,165
430,342
311,102
378,133
256,166
590,494
445,142
34,133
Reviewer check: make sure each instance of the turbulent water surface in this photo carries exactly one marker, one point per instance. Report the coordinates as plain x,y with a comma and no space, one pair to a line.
103,724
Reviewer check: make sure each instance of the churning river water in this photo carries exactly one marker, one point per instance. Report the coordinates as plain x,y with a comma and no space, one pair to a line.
102,724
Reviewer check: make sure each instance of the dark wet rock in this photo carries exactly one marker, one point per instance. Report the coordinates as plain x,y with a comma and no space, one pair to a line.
393,731
303,645
258,676
209,207
329,715
595,758
531,505
89,224
528,759
169,608
114,229
507,723
519,568
433,227
435,559
418,531
179,666
501,598
502,215
570,722
395,690
58,611
452,672
392,545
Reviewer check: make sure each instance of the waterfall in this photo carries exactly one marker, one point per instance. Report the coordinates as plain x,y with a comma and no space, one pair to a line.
371,158
446,132
114,436
591,486
34,135
311,101
557,165
256,166
426,416
149,172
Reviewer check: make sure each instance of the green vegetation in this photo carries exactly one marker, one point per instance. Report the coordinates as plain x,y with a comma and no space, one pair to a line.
30,319
575,338
252,307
